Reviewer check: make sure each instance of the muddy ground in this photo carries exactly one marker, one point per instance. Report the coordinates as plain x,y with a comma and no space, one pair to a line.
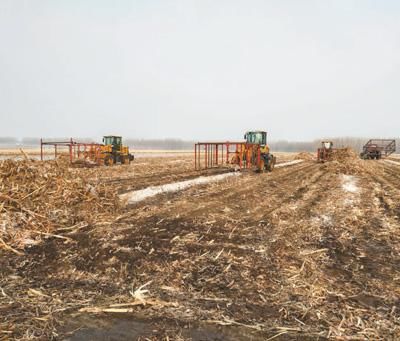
309,251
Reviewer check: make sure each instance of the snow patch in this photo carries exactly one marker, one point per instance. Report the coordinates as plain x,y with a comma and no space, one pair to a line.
350,184
136,196
289,163
324,220
393,162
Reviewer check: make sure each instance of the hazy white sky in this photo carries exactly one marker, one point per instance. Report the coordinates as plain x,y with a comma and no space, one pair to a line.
200,69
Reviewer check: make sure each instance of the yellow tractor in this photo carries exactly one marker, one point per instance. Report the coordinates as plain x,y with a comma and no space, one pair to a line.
112,151
254,153
256,142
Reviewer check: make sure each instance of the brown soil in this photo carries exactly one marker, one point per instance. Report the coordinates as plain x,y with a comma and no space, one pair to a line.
308,251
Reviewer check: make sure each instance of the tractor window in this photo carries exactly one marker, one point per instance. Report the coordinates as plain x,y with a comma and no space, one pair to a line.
256,138
112,140
107,140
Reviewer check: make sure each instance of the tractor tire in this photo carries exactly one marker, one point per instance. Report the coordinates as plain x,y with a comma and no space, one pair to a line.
125,160
261,167
108,160
271,164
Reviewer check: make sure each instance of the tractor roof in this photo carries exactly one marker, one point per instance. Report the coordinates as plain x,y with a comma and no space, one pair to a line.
255,131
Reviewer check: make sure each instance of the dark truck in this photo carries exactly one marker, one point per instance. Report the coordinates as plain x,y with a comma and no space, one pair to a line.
378,148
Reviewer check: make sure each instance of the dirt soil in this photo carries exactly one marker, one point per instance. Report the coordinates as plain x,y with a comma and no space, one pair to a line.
305,252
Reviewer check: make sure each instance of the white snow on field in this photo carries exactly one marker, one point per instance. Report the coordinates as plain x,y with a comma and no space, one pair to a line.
393,162
136,196
290,163
349,184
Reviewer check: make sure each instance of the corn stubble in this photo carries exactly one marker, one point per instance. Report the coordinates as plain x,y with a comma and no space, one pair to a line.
290,253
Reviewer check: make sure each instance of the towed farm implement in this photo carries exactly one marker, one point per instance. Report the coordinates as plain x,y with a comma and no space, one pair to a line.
378,148
110,152
253,153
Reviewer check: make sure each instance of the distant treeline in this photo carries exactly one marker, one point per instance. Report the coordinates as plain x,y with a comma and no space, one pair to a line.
167,144
8,140
178,144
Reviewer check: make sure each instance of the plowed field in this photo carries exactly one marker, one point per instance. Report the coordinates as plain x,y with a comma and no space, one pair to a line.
308,251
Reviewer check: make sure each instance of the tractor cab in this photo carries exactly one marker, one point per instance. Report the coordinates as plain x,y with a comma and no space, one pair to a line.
328,145
114,141
256,137
260,150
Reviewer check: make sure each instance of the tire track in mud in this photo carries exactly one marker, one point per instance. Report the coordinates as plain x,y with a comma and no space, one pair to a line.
292,193
175,214
206,238
252,185
298,195
380,240
362,256
247,180
287,248
191,208
148,248
195,202
227,264
389,183
137,182
392,175
345,256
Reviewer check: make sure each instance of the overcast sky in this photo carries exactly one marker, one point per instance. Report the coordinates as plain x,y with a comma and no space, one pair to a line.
200,69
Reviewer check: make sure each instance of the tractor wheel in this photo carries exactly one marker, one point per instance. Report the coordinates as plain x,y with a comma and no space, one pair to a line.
235,159
271,164
261,167
108,160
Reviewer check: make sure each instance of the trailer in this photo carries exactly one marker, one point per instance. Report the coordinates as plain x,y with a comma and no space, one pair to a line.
378,148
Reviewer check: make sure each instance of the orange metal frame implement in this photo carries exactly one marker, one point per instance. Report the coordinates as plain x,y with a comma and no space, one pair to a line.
219,154
75,149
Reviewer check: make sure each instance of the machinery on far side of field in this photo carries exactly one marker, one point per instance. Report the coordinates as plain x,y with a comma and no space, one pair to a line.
253,153
378,148
113,151
326,151
257,142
